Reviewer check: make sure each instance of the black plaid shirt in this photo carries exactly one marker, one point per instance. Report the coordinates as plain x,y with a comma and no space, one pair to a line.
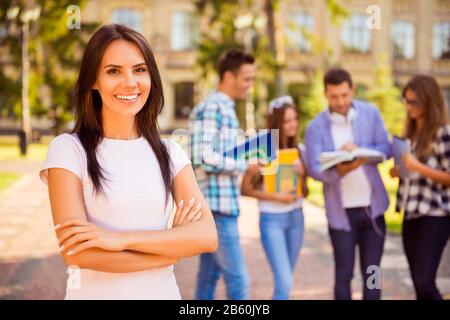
420,196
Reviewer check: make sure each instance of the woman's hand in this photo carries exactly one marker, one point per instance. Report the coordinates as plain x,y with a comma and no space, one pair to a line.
187,213
254,169
394,172
285,197
299,168
79,235
411,163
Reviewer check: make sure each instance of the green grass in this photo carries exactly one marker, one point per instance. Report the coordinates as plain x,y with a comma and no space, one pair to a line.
7,178
9,149
393,220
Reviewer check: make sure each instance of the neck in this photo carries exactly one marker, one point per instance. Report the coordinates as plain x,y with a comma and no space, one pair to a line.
284,142
118,127
420,122
224,89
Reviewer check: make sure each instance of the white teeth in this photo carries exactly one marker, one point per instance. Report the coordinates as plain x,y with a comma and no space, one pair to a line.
127,97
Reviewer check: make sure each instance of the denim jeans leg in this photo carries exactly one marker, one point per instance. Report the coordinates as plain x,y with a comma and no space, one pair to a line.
230,259
370,252
208,274
343,243
295,233
273,228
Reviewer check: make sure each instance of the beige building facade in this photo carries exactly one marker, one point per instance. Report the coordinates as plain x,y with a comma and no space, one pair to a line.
413,34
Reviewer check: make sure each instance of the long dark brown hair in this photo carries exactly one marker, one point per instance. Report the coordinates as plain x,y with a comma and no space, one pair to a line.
88,124
275,120
429,97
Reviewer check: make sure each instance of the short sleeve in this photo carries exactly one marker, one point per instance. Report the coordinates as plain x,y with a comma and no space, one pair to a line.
177,156
63,152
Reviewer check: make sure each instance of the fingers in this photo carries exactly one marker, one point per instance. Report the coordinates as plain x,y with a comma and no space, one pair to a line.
197,209
68,232
197,216
85,245
176,218
81,237
187,210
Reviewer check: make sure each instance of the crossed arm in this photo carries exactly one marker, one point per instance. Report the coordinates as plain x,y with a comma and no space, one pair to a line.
120,252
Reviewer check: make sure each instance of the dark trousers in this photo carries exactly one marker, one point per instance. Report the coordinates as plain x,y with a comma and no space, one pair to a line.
424,240
369,235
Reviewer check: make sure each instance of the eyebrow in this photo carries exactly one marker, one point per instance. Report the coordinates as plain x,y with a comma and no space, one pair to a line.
117,66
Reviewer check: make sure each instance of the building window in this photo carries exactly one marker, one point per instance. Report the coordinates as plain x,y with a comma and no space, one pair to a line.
129,17
355,35
299,26
441,40
185,31
403,39
184,99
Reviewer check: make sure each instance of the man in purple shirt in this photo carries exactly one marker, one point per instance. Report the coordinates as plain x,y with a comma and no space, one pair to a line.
355,197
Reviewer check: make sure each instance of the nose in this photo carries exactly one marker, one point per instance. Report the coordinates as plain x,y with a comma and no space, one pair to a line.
129,80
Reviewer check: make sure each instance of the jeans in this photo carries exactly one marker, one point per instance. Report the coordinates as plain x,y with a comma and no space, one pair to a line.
282,238
369,235
424,240
228,261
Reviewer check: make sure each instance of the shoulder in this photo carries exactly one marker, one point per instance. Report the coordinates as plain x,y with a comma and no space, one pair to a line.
66,142
317,122
178,157
173,147
366,107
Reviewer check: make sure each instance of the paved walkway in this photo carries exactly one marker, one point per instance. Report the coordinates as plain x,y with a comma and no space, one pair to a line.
31,268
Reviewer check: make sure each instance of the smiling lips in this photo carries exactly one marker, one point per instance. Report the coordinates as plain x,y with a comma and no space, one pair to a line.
128,99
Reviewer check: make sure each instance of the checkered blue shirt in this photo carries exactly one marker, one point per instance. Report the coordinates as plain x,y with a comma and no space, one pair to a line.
213,126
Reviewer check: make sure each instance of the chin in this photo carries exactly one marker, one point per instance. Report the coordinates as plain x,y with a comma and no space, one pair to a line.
127,112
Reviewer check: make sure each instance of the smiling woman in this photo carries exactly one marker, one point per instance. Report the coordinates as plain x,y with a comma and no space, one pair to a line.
112,181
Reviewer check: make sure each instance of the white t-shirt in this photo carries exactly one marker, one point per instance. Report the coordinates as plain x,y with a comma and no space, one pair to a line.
267,206
355,186
134,200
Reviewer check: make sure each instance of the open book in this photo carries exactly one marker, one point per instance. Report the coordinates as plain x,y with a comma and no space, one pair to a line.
400,146
332,158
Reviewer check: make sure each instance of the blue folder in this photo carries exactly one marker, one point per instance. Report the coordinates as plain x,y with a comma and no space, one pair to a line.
260,145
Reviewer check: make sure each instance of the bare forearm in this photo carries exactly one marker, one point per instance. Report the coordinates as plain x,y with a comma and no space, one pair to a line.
259,194
437,176
179,242
118,262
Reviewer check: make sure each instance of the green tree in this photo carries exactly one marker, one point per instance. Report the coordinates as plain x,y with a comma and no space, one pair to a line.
227,31
313,102
55,53
386,96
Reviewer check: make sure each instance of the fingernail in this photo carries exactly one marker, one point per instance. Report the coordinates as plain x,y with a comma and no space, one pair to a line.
191,201
70,253
181,203
57,226
199,205
61,249
59,240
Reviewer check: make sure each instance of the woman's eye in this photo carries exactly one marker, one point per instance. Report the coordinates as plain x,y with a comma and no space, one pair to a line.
113,71
141,70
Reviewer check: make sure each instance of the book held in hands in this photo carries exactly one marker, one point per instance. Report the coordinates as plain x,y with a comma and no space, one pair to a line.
284,178
400,146
330,159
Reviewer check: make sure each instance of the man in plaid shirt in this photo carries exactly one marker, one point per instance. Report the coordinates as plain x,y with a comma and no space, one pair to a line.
214,127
